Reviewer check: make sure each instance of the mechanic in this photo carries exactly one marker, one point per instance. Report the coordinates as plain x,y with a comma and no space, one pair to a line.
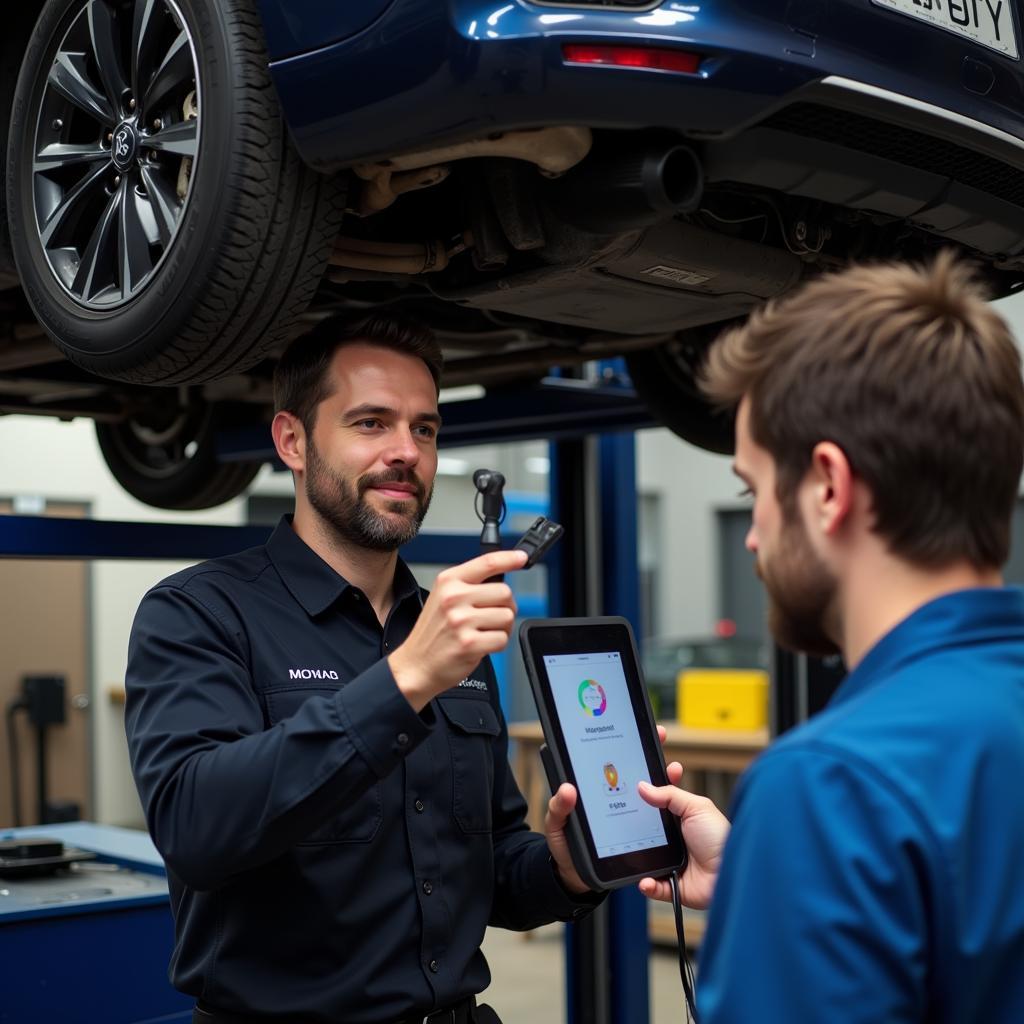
875,866
319,745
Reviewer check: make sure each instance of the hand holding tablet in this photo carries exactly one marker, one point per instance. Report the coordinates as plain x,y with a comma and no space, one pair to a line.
602,739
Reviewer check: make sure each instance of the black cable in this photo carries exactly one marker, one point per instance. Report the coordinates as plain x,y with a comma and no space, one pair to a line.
18,704
479,514
685,970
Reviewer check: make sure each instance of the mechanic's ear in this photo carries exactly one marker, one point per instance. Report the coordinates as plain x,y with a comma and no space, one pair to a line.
833,486
289,440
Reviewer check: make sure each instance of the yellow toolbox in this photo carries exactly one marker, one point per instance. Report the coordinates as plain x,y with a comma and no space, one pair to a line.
719,698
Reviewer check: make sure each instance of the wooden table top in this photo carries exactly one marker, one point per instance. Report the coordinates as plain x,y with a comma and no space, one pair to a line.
675,735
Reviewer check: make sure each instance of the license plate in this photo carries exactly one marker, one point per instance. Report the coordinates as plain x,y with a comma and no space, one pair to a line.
988,22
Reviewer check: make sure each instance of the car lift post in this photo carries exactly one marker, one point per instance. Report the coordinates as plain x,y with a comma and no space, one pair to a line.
593,488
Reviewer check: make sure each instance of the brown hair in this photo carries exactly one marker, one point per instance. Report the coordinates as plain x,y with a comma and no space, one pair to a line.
914,376
301,378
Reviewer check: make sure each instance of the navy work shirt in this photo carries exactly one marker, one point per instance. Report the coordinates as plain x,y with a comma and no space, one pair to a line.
332,855
875,870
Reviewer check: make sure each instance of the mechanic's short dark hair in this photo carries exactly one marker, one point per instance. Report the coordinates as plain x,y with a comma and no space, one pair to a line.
301,380
915,376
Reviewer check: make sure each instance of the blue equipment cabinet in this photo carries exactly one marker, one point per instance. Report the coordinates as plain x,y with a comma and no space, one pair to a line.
89,945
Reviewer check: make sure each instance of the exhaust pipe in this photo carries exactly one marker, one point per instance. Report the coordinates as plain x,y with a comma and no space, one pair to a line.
614,192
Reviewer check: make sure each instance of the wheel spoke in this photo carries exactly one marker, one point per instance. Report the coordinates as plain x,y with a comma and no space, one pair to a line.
68,77
72,204
143,25
106,47
59,155
133,259
98,249
164,201
182,139
175,69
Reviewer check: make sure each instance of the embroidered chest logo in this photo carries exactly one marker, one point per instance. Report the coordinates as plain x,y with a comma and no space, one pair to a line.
473,684
312,673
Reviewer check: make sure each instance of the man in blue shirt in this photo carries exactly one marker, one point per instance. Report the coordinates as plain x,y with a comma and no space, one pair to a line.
318,743
875,866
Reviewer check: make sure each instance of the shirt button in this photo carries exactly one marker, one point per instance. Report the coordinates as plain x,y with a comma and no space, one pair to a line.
402,739
420,806
434,966
428,888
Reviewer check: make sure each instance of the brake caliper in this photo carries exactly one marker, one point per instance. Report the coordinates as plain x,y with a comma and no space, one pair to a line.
190,111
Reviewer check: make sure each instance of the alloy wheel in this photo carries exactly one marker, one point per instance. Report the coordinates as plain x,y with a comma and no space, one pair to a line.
115,150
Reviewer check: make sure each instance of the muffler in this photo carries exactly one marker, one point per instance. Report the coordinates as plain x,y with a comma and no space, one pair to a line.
610,193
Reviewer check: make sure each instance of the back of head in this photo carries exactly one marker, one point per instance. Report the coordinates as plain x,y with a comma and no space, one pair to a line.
302,376
917,379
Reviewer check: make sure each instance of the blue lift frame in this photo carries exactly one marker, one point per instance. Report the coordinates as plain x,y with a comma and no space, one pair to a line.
593,571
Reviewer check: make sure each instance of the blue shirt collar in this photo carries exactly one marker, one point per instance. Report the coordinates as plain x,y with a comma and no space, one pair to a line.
964,617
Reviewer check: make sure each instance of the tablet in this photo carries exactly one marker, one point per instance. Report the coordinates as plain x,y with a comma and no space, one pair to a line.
601,737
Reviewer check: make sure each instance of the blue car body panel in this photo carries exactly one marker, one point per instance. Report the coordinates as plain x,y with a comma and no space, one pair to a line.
297,26
423,72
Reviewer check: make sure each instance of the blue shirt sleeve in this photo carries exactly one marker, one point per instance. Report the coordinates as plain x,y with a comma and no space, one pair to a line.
820,910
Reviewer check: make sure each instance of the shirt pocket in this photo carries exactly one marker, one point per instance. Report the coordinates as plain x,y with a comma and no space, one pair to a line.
473,727
360,820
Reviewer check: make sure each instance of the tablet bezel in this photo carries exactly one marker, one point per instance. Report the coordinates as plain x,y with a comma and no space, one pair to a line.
544,637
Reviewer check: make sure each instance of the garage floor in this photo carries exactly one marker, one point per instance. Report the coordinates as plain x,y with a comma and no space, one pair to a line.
528,978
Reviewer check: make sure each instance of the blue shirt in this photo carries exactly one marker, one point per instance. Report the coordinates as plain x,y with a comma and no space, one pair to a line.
331,854
875,870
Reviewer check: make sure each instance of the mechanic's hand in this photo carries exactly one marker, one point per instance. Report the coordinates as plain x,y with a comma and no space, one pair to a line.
560,806
705,830
463,620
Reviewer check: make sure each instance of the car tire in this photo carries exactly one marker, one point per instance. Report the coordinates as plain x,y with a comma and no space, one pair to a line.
167,456
17,29
236,252
666,379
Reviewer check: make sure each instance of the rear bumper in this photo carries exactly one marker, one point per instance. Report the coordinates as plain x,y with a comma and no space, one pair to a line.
779,101
421,78
426,73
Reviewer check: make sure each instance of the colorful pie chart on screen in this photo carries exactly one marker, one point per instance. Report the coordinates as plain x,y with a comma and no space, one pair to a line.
592,698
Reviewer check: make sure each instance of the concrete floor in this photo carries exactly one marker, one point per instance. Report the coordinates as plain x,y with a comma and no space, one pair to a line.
528,978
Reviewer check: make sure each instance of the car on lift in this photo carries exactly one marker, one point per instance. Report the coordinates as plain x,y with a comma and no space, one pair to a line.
190,182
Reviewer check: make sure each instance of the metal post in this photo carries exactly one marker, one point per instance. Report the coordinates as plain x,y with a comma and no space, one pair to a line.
630,945
801,687
574,584
594,497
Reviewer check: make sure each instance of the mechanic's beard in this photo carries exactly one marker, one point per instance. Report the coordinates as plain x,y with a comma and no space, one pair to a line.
801,595
345,510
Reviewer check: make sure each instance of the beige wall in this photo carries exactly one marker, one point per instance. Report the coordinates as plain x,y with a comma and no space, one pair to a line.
61,462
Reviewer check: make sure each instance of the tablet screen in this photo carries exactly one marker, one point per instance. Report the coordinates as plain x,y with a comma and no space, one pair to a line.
601,737
593,704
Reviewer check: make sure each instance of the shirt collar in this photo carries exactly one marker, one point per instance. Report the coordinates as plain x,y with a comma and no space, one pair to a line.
312,582
977,615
